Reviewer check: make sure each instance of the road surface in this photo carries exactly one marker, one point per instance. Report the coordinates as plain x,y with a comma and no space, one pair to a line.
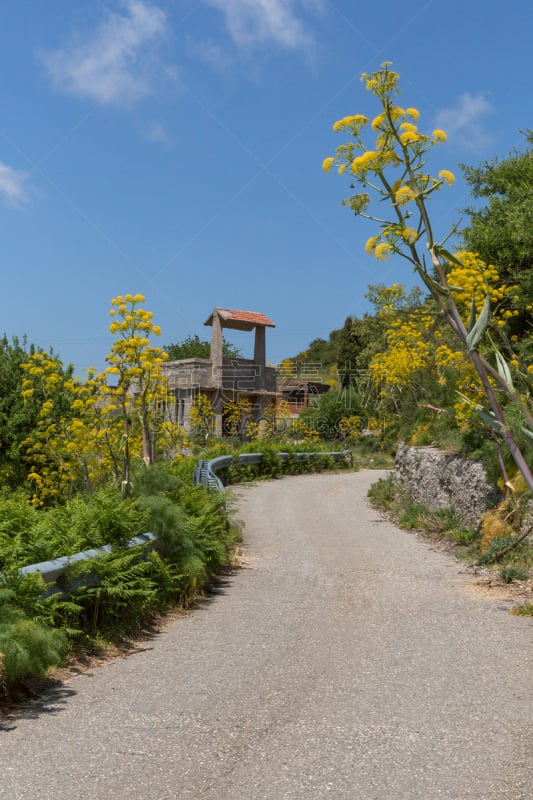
345,660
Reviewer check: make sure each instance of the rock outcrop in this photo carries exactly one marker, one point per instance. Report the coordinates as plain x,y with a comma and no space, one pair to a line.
438,480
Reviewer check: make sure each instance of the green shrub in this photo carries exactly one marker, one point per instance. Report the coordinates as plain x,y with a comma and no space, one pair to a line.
510,574
412,518
524,610
27,647
382,493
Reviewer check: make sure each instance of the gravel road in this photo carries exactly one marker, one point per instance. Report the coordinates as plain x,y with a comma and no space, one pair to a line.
346,660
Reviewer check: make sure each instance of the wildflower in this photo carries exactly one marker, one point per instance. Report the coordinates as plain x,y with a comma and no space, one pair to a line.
356,119
409,137
370,245
383,251
396,113
327,164
439,135
408,126
403,195
361,163
410,235
447,176
414,113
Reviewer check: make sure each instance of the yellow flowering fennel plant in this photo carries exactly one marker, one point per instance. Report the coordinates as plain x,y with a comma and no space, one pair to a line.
385,158
137,365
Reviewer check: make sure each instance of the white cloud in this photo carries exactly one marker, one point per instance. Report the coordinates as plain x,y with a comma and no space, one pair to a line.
108,66
156,132
464,121
252,22
12,186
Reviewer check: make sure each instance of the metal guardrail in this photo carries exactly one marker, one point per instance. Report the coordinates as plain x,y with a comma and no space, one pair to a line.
55,568
204,475
205,472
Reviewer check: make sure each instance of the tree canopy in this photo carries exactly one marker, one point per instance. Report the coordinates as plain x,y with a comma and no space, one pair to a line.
501,229
194,347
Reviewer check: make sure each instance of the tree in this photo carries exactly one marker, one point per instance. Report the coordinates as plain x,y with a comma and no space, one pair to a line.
501,230
393,170
326,414
194,347
17,418
53,463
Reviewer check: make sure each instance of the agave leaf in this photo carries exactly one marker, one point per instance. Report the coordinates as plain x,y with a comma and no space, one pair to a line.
526,431
476,333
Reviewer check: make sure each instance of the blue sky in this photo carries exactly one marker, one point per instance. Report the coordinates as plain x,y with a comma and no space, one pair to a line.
174,148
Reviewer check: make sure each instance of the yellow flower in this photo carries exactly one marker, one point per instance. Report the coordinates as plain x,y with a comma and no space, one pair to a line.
356,119
414,113
409,137
342,168
396,113
439,135
410,235
447,176
383,251
327,164
361,163
377,122
403,195
370,245
408,126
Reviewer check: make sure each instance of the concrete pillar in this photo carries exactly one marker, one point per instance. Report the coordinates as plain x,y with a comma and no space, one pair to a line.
216,350
217,372
260,355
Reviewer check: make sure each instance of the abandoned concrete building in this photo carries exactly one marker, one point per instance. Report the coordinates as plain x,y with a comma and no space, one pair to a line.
223,380
220,379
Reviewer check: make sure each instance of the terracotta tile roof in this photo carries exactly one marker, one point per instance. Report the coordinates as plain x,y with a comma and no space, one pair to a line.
241,319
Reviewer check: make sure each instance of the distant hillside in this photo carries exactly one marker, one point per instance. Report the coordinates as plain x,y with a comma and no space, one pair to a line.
347,348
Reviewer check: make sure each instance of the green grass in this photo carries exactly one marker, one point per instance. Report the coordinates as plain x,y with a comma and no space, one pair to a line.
524,610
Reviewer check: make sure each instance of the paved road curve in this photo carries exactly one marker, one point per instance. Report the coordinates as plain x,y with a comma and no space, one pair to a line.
347,661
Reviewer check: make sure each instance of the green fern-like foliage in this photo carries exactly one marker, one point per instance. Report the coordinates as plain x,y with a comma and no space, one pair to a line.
27,647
